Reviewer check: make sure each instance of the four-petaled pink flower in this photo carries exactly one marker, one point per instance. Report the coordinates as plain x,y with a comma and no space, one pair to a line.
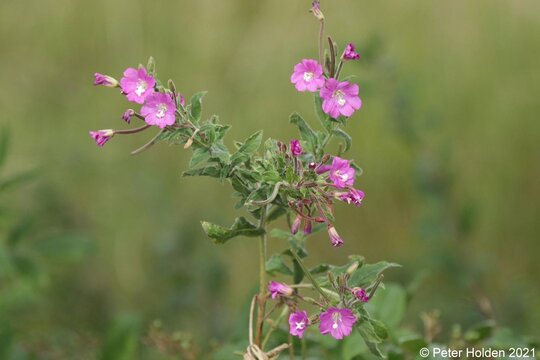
137,84
337,322
361,294
105,80
335,239
353,196
102,136
159,109
350,53
298,322
340,98
296,148
342,173
308,75
279,289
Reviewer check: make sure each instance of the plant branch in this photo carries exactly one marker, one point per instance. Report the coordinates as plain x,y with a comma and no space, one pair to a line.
309,276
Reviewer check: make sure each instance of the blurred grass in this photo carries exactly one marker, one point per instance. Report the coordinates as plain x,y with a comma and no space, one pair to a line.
447,138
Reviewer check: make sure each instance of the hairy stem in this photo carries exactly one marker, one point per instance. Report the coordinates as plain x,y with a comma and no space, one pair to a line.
261,298
321,36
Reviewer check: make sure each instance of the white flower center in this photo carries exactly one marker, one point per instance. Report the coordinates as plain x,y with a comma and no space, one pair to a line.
141,87
308,76
343,177
336,317
161,110
300,325
335,325
340,98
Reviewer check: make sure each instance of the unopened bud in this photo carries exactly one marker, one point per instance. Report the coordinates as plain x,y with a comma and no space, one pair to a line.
296,225
352,268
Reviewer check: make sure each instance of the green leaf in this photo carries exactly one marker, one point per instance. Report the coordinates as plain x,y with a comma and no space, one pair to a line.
321,115
196,106
248,148
275,213
211,171
276,264
346,137
306,132
370,338
220,152
200,154
367,274
480,331
389,305
240,227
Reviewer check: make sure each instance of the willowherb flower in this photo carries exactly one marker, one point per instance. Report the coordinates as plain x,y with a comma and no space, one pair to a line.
353,196
350,53
308,75
105,80
126,116
341,173
159,109
279,289
137,84
335,239
298,322
296,148
102,136
340,98
337,322
361,294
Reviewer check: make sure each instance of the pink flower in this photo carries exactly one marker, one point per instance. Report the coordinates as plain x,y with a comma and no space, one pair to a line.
298,322
137,84
316,10
353,196
102,136
360,294
279,289
335,239
296,148
337,322
308,75
159,109
350,53
340,98
341,173
126,116
105,80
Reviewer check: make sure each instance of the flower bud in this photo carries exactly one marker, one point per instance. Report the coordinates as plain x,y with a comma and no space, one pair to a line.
335,239
296,225
102,136
307,227
105,80
126,116
296,148
316,10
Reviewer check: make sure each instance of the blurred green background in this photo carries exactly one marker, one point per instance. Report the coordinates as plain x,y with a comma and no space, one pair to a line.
448,140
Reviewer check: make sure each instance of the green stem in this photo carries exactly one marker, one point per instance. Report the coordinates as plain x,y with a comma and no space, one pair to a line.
275,325
309,276
261,298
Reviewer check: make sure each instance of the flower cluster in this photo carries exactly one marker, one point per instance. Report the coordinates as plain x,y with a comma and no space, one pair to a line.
337,320
159,105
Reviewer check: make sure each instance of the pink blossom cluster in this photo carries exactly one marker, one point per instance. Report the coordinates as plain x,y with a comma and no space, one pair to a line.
158,108
339,98
336,321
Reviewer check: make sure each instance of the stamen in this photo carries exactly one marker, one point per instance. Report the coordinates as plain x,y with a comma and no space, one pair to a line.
141,87
308,76
162,109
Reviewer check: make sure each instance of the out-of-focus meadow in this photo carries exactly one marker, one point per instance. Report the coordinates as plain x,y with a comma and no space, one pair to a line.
100,243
